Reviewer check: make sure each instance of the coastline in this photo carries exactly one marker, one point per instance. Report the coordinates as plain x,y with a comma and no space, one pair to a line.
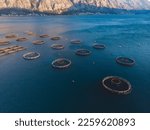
108,11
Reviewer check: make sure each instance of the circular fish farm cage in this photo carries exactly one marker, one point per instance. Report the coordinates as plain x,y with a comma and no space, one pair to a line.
57,46
125,61
83,52
18,48
55,38
38,42
75,41
4,42
11,36
61,63
30,33
44,36
10,50
117,85
31,55
99,46
21,39
1,52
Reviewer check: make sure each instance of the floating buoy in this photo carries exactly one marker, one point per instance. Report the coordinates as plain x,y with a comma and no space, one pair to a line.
57,46
21,39
55,38
75,41
38,42
44,36
73,81
83,52
31,55
117,85
99,46
11,36
125,61
61,63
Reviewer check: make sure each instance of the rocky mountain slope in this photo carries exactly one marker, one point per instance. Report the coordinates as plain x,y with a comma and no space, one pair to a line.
121,4
60,6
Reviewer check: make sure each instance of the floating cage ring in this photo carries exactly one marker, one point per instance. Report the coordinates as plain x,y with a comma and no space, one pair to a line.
99,46
11,36
10,49
57,46
1,51
38,42
117,85
55,38
31,55
4,42
61,63
22,39
83,52
30,33
44,36
75,41
125,61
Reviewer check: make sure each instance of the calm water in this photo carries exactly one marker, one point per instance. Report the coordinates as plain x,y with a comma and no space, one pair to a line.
34,86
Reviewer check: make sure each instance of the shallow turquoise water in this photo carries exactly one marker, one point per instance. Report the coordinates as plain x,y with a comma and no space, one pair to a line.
34,86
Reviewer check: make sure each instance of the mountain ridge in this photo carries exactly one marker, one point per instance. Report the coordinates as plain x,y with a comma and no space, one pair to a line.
62,6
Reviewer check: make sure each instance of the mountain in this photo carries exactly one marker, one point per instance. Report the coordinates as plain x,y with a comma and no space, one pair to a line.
120,4
57,6
62,6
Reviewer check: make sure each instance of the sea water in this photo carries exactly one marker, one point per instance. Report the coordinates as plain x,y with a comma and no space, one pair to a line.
35,86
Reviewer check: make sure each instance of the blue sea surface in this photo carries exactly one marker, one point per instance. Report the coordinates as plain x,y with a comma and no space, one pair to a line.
35,86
